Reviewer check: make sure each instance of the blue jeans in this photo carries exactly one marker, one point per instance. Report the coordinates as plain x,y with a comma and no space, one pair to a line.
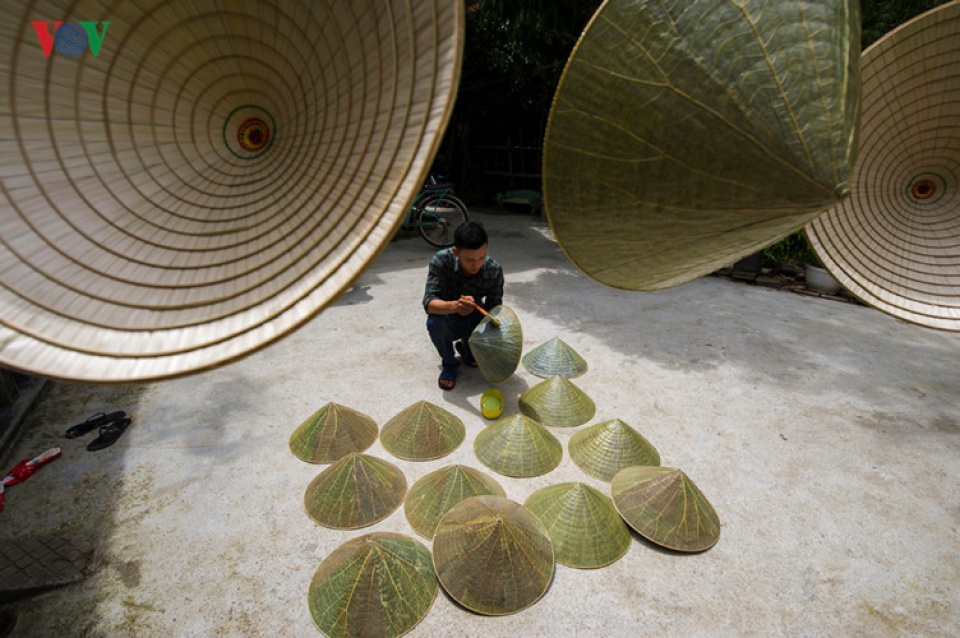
446,329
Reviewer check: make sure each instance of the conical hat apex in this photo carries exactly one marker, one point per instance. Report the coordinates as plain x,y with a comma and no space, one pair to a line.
331,432
492,555
586,530
435,494
664,506
554,357
356,491
516,445
605,448
557,402
422,432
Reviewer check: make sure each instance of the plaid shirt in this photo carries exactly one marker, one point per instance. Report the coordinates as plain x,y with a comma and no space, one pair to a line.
444,281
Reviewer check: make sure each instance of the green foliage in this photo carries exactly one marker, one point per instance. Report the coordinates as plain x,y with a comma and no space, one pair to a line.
792,250
881,16
515,51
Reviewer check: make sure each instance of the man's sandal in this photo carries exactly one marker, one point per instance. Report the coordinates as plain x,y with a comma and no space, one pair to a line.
447,380
109,434
94,422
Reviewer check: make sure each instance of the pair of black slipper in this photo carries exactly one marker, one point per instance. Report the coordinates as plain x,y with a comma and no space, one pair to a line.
111,427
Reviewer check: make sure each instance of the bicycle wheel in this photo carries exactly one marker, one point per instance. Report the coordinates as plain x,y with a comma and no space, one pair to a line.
439,216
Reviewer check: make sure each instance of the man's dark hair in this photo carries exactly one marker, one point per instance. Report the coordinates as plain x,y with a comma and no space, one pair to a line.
470,235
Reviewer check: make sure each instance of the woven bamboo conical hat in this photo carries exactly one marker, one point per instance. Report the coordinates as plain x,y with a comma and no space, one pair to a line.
664,506
895,243
557,402
195,180
422,432
497,348
331,432
356,491
516,445
436,493
605,448
585,528
492,555
685,135
552,358
355,592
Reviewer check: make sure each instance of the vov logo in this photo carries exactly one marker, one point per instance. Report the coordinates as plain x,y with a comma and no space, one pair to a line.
70,39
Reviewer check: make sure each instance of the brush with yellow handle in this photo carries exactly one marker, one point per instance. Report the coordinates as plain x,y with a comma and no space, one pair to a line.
494,320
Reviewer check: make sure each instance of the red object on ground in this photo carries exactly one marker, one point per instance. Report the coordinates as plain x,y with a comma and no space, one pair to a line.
25,469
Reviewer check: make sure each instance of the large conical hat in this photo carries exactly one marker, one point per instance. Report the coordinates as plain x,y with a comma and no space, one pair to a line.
605,448
422,432
664,506
554,357
182,183
583,524
497,348
516,445
685,135
557,402
356,491
493,556
355,590
895,242
331,432
436,493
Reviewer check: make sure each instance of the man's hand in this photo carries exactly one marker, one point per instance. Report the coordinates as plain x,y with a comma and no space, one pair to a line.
465,305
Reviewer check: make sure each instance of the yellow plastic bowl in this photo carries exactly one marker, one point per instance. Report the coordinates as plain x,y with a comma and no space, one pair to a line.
491,404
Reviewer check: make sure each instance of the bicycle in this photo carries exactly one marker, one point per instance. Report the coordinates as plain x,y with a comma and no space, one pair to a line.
436,213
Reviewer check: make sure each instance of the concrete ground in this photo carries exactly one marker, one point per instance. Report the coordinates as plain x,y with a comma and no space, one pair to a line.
826,435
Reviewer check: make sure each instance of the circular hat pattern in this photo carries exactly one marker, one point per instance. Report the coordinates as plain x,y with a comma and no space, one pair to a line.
895,242
192,182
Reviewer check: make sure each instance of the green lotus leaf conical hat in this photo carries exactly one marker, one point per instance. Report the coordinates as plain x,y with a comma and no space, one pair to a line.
554,357
686,135
355,590
516,445
356,491
605,448
331,432
497,349
492,555
557,402
585,528
436,493
422,432
664,506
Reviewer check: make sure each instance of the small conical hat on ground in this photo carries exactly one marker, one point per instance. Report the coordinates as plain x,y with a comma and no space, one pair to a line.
356,491
436,493
492,555
552,358
331,432
422,432
497,349
583,524
355,590
664,506
557,402
604,449
516,445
